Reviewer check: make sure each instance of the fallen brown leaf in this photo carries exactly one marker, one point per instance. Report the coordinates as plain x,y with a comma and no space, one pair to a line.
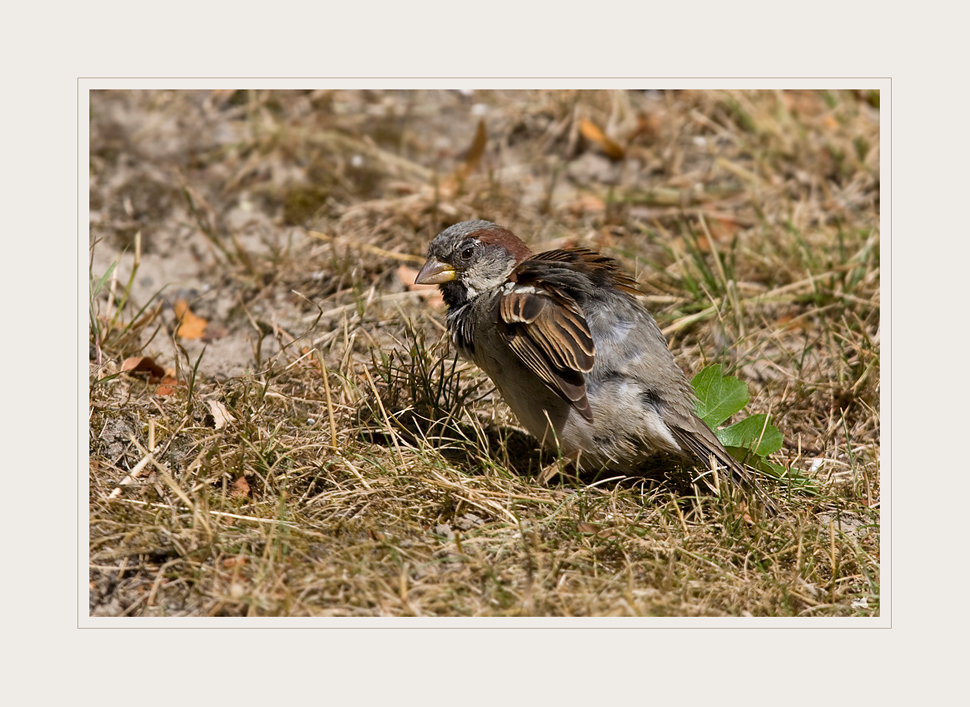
143,367
169,383
191,326
475,151
451,185
240,488
592,132
220,415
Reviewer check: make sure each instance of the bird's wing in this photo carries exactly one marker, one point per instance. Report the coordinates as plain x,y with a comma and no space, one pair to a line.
547,331
543,319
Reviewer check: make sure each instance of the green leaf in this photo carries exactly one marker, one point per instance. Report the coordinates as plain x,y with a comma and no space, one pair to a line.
794,479
748,431
718,397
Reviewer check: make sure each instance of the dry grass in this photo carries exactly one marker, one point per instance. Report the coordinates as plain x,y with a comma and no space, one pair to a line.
323,454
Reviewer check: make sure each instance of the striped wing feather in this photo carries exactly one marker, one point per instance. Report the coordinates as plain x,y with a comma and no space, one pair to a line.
550,336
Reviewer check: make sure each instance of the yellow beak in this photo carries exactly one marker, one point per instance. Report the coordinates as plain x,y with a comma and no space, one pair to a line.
435,272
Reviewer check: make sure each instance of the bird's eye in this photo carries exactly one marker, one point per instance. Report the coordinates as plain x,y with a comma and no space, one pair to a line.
467,252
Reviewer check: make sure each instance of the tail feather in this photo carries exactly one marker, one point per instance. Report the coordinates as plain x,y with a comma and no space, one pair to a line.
704,444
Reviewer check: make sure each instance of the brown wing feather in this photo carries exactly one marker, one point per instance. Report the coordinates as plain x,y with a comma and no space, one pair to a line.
550,336
545,326
568,384
601,269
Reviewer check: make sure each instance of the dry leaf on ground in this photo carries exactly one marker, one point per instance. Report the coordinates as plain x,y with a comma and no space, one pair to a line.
143,367
191,326
221,417
240,488
592,132
168,384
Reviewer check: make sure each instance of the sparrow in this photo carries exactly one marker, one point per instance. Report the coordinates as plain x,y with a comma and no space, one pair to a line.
579,360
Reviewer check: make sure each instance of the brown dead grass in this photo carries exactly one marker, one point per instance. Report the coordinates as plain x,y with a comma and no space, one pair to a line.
324,455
